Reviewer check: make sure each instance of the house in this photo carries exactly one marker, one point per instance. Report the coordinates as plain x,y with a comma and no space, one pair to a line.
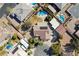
41,30
21,11
53,7
60,5
65,38
71,25
19,49
24,45
6,31
74,11
54,23
20,52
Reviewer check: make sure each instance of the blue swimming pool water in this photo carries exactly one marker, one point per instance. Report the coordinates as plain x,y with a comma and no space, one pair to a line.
61,18
9,46
42,13
34,3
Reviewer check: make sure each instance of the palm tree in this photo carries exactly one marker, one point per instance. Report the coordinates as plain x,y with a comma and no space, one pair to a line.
48,18
26,26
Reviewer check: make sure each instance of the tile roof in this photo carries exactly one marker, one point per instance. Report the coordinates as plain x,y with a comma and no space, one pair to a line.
41,32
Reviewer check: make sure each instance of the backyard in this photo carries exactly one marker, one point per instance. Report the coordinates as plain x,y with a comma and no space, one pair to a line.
34,19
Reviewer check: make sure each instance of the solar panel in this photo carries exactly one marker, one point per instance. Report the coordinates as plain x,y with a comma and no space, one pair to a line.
43,27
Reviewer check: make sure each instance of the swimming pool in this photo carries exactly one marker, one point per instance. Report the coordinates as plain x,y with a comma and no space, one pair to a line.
61,18
34,7
9,46
34,3
42,13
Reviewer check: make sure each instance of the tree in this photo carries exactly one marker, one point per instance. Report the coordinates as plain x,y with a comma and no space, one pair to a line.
33,42
17,27
75,44
2,50
14,37
26,26
40,43
31,46
48,18
10,10
55,49
29,52
1,47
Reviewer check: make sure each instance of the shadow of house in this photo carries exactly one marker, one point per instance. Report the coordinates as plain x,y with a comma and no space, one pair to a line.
31,32
49,52
56,36
3,9
76,33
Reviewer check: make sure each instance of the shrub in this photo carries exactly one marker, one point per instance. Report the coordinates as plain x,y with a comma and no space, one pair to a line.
14,37
55,49
33,42
30,52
